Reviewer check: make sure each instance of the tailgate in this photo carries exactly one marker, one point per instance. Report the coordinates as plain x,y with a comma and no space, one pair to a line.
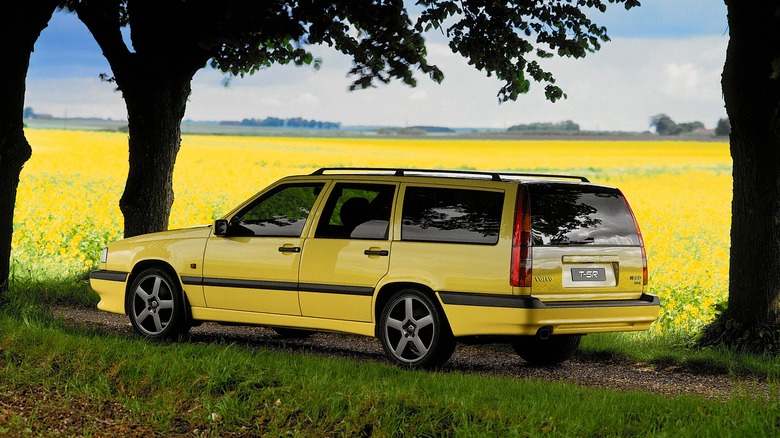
587,273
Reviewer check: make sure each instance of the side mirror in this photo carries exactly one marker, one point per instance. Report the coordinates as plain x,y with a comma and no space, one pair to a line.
220,227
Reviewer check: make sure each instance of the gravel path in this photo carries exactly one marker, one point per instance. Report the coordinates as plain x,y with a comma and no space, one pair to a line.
496,360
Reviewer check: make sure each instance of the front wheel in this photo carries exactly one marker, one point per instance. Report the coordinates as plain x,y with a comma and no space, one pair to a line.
155,305
545,352
414,331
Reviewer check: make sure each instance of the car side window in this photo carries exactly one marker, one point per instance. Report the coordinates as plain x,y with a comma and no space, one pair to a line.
280,213
433,214
357,211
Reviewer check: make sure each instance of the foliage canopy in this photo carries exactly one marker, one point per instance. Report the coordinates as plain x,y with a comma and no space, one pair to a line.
385,39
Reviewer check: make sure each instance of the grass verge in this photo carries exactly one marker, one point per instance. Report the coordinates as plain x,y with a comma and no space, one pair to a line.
73,381
678,351
115,384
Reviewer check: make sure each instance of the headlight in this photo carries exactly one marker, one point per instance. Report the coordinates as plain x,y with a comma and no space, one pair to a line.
104,255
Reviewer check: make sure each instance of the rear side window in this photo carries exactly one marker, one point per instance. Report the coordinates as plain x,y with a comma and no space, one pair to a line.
357,211
451,215
580,215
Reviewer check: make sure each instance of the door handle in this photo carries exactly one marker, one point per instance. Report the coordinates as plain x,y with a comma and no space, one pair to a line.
377,252
293,249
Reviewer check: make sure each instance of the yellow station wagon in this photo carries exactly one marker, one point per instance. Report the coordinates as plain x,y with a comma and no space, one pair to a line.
417,258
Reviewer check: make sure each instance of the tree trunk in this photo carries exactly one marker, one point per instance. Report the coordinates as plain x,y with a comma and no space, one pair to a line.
20,26
155,83
751,88
155,108
14,152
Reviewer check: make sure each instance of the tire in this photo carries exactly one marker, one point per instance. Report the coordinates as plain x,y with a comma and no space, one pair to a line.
546,352
291,333
414,331
155,306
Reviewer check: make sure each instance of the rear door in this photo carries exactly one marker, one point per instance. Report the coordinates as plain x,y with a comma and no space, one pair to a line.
453,239
348,253
586,245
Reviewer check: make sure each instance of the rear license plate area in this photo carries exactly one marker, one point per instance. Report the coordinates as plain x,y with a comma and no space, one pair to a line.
592,275
588,274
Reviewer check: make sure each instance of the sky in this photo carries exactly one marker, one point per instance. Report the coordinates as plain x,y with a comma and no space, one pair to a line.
665,57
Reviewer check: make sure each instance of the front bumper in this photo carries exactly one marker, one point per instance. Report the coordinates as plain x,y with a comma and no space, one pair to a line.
111,286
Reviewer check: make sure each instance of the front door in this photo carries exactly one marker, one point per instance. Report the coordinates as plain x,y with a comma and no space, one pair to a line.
255,266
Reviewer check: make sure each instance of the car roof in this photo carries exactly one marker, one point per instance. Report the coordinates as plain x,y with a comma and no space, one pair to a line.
446,173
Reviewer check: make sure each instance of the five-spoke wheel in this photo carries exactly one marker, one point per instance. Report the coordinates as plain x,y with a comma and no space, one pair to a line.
414,331
155,305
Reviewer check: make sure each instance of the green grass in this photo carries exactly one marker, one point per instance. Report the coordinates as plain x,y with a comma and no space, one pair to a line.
120,385
41,287
224,389
679,352
672,350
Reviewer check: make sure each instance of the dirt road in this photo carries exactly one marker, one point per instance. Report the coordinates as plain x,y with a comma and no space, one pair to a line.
496,360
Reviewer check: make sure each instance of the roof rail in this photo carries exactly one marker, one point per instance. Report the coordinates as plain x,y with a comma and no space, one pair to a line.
495,176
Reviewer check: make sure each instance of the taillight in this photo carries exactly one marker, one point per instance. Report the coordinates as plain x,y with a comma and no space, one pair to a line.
522,260
645,275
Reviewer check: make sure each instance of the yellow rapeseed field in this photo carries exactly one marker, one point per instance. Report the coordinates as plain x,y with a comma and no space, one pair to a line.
67,206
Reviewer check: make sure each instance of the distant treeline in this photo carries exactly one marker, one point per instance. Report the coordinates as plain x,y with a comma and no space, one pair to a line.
664,125
434,129
568,126
297,122
415,131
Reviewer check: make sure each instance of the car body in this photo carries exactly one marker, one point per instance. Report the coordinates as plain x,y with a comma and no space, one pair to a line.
419,259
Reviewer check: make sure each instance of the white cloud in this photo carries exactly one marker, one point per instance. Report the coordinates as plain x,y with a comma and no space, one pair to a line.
682,79
418,95
307,100
75,97
618,88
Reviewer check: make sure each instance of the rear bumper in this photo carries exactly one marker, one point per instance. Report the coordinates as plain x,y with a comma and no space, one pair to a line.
111,286
502,315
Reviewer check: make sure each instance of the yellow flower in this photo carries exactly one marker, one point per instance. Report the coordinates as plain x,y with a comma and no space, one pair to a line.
68,196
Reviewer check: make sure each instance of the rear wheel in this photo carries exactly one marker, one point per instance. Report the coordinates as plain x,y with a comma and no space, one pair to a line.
414,331
545,352
156,306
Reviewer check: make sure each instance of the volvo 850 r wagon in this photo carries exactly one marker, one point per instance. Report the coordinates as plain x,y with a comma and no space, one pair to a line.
420,259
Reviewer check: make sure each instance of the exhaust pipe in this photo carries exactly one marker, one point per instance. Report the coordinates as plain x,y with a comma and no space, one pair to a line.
544,333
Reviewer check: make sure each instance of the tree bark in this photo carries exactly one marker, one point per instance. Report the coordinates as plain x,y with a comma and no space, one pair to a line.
751,88
155,110
20,27
155,82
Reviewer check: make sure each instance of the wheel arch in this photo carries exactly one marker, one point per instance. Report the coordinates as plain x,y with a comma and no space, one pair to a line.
388,290
168,269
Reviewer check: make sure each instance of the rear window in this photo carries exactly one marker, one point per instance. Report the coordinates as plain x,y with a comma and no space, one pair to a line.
451,215
580,215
